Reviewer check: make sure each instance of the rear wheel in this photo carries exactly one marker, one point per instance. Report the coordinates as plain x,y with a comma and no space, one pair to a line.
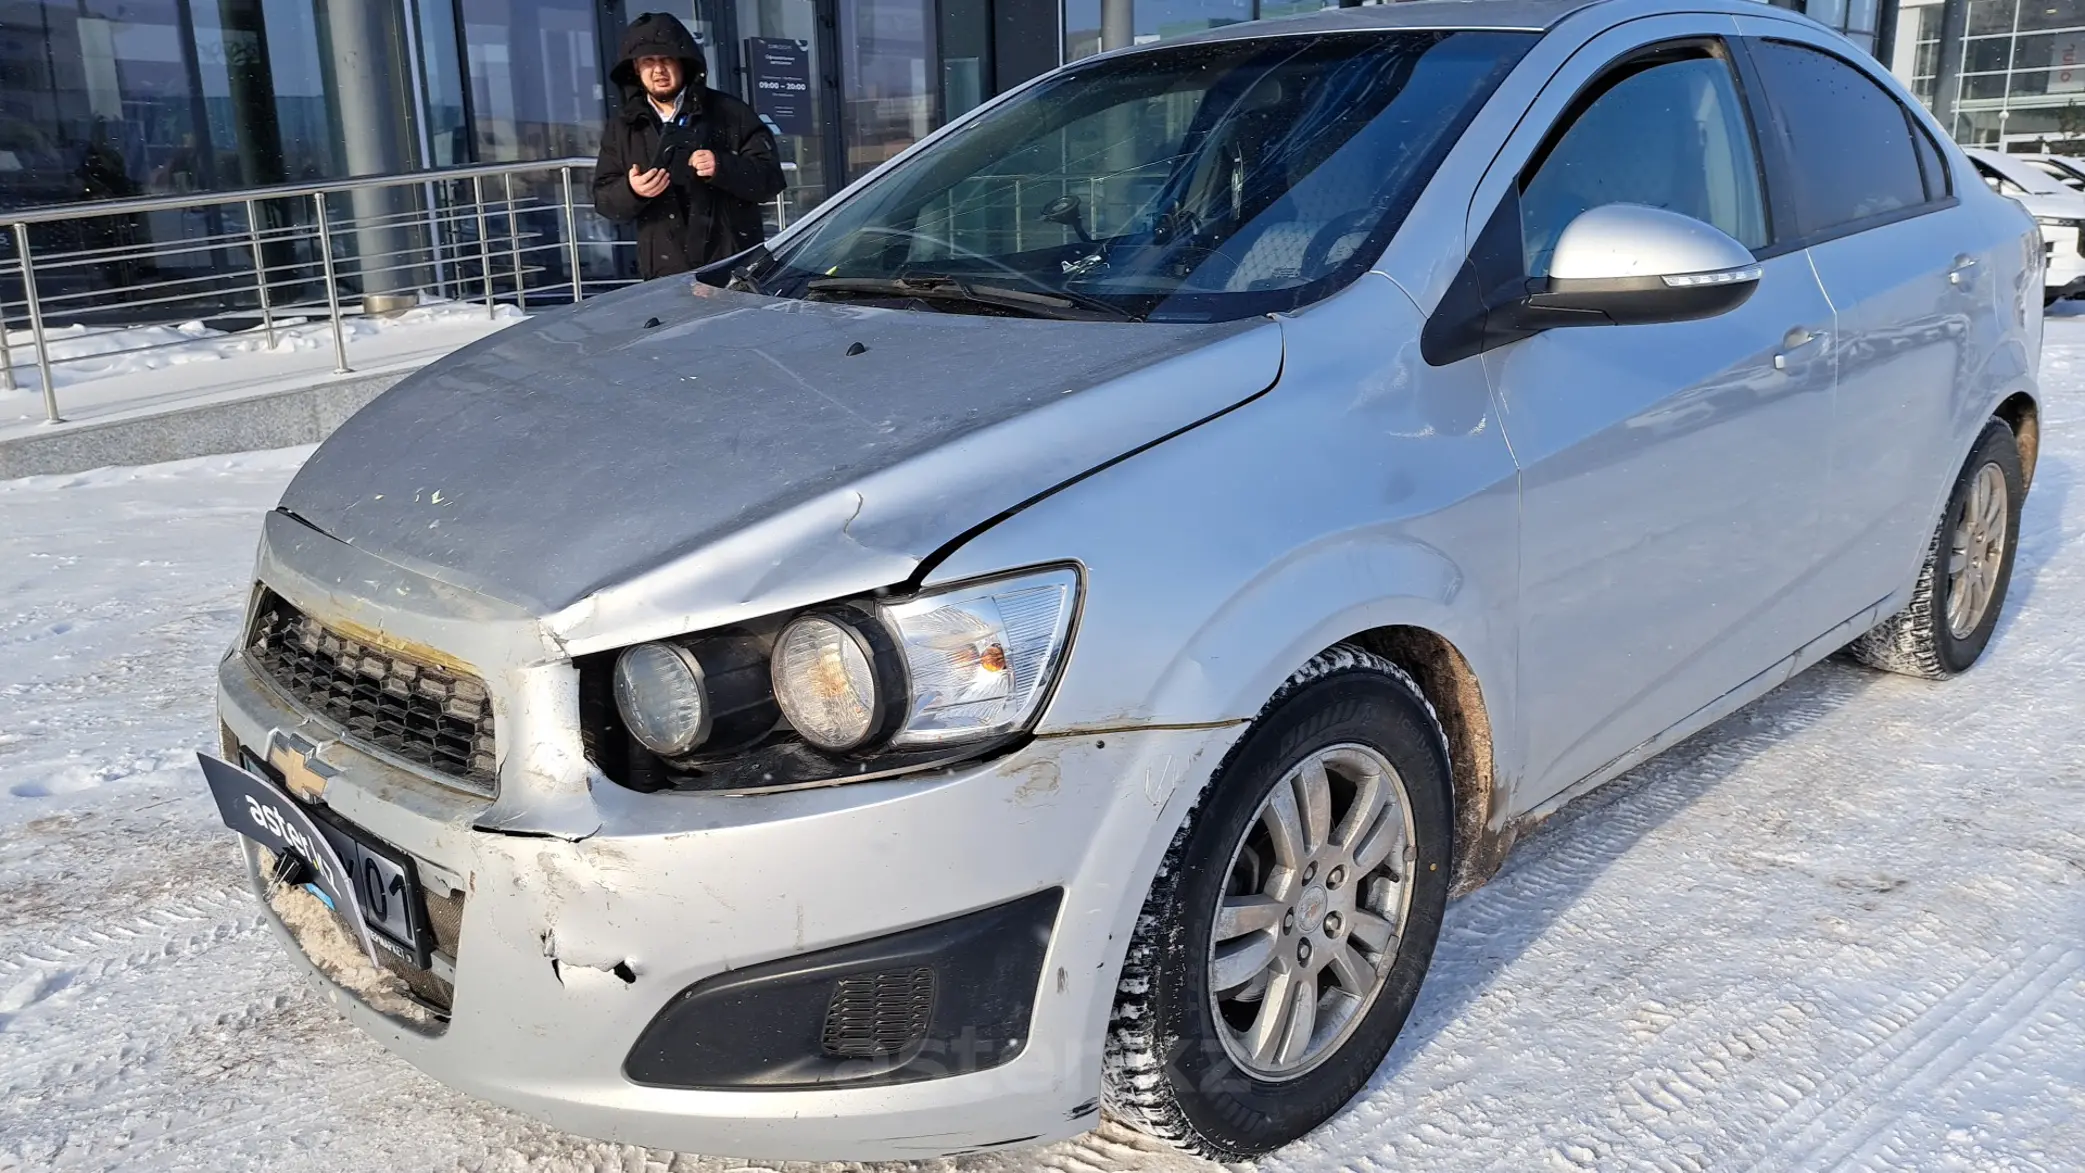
1969,563
1283,944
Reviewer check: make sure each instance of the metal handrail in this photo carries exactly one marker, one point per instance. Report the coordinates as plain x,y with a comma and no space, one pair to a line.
461,229
93,209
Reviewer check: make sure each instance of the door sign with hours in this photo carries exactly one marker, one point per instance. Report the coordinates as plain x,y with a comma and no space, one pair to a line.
781,72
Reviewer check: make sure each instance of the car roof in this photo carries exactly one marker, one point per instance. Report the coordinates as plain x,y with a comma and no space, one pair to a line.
1505,15
1513,15
1530,15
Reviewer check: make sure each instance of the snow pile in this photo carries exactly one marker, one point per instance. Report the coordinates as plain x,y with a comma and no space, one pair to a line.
83,353
324,938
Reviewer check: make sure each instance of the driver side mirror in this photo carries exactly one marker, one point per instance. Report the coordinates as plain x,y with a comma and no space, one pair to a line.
1615,265
1633,265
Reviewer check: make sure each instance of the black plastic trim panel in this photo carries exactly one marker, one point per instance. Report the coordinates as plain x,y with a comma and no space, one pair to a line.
765,1026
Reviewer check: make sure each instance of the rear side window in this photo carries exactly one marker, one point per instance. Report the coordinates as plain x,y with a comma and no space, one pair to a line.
1850,142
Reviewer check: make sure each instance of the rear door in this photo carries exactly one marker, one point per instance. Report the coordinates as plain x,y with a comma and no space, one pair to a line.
1671,474
1915,284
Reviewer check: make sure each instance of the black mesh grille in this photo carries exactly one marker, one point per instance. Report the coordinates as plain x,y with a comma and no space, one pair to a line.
879,1014
430,716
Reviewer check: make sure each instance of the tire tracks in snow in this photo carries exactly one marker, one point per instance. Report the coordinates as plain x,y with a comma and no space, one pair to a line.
1863,1098
81,959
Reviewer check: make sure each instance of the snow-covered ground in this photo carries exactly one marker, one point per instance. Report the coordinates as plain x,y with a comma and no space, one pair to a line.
1843,929
82,353
103,373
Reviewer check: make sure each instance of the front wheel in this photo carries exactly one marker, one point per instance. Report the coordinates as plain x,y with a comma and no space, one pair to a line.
1969,563
1283,944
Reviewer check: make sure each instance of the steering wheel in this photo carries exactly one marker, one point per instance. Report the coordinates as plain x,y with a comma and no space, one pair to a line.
1321,242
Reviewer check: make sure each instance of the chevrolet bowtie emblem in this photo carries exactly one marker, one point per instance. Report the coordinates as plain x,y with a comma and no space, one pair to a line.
302,771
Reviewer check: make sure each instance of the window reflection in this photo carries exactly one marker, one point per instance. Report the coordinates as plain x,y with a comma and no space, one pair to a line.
1159,20
885,47
1081,28
104,99
536,80
2023,73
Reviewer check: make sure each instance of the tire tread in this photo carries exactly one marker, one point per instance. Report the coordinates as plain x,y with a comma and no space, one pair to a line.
1134,1090
1908,643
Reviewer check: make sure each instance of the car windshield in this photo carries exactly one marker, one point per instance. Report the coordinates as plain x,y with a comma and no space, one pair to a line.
1194,183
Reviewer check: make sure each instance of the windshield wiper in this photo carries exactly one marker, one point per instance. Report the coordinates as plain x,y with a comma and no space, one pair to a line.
1063,305
745,277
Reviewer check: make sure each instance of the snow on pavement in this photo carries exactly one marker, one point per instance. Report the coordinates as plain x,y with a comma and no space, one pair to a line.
1845,928
81,353
139,370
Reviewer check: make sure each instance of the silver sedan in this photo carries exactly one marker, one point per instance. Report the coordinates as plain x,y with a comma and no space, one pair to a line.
1048,633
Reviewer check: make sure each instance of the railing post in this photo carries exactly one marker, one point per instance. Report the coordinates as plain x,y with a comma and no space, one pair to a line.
572,236
43,350
484,246
514,245
260,270
340,367
6,355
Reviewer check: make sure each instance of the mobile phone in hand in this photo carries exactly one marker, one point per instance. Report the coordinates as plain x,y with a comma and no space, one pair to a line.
676,146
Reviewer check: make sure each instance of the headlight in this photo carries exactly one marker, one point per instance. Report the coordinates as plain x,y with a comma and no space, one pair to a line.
713,697
2058,221
833,678
658,688
958,665
894,685
980,658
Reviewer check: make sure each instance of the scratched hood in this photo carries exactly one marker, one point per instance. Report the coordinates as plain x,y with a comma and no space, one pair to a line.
736,455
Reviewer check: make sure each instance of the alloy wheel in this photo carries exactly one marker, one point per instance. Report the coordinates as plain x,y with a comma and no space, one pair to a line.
1977,551
1313,906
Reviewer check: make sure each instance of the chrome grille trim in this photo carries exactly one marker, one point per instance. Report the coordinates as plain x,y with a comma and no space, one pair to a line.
420,713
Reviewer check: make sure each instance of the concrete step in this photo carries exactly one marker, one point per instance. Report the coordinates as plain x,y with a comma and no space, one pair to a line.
277,419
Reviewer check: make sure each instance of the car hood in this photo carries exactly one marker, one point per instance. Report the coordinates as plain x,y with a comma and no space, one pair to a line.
675,456
2068,204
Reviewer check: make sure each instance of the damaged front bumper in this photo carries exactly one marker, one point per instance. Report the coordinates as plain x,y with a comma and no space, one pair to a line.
588,911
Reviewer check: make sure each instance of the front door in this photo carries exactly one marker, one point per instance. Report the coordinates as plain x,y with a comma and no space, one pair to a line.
1672,474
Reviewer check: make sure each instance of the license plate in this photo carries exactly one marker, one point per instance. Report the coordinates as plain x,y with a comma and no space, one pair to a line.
373,886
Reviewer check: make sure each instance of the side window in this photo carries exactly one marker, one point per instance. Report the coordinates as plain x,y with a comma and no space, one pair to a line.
1850,142
1664,132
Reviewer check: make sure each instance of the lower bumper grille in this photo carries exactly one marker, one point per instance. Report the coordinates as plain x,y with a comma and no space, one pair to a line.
877,1015
423,713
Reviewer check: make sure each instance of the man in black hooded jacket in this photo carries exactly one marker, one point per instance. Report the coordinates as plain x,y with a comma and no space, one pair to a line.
704,204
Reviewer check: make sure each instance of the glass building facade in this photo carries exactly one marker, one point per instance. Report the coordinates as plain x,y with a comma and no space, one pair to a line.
1867,23
2008,74
104,99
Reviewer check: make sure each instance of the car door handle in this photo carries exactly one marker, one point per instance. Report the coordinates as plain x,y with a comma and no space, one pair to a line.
1796,338
1963,264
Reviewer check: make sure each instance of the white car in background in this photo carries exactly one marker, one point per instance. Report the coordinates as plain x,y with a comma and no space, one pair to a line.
2057,208
2068,170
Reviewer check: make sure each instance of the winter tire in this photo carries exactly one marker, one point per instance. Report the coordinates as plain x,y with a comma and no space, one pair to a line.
1284,941
1969,562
